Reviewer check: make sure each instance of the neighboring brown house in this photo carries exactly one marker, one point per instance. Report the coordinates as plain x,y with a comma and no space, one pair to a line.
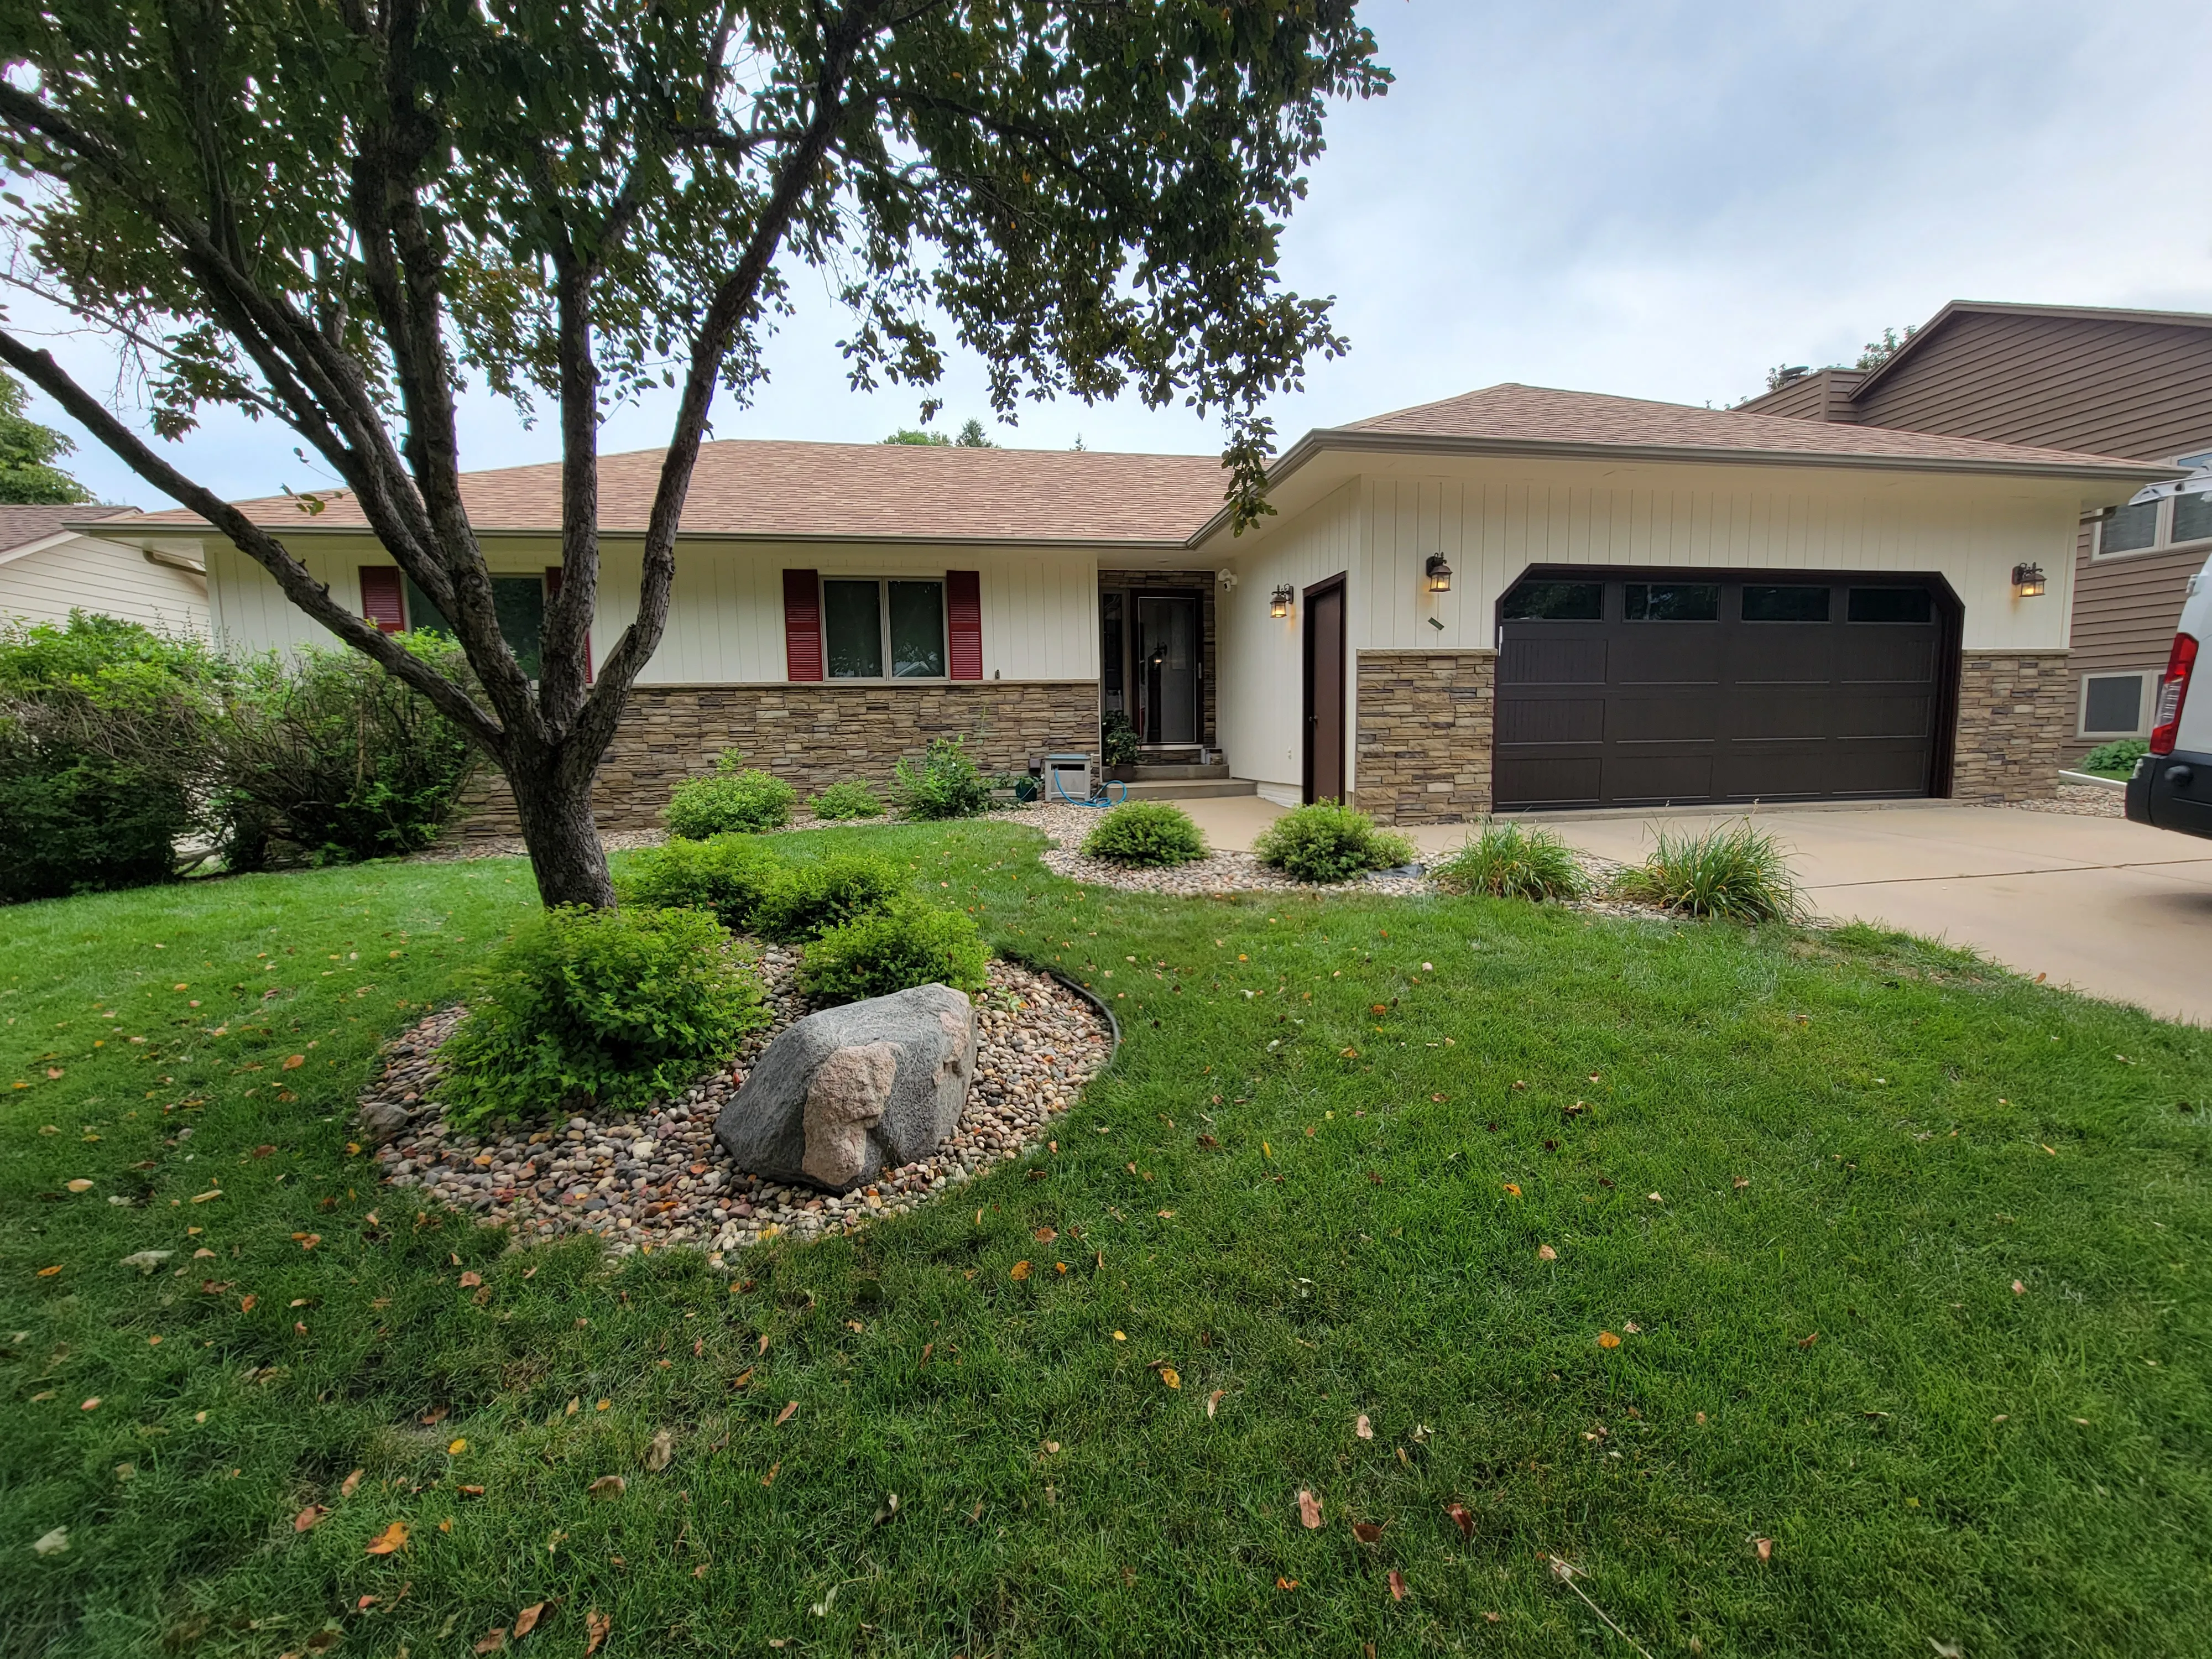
2111,382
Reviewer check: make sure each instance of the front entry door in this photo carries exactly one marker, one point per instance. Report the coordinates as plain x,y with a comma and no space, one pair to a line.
1324,690
1167,670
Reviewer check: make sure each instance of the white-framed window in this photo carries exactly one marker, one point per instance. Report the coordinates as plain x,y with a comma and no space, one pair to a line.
883,627
2117,705
2180,521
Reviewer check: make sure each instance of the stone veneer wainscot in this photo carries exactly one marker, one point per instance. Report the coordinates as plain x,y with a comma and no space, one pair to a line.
813,735
1425,722
2015,713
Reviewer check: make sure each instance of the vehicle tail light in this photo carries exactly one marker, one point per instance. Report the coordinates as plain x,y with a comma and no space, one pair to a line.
2172,692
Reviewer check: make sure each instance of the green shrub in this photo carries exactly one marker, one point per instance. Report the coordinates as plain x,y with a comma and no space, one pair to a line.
601,1008
1739,872
727,875
910,942
945,784
1329,841
1117,740
1146,832
806,900
841,801
1507,860
732,798
105,749
322,757
2116,759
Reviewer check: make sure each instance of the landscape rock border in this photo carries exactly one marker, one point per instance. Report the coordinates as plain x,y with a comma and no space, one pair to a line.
657,1177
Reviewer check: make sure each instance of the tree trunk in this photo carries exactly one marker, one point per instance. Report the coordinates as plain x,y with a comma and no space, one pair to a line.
555,806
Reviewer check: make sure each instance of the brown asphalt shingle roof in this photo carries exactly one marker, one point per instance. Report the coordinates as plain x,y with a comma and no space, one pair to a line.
755,488
1540,415
19,524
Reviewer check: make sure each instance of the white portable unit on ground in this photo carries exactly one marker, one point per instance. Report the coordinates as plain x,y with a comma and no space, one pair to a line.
1067,777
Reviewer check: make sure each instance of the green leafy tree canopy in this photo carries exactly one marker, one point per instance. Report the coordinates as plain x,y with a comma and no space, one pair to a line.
338,214
28,477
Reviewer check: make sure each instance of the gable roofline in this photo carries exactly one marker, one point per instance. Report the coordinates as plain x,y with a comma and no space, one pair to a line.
2023,463
2013,308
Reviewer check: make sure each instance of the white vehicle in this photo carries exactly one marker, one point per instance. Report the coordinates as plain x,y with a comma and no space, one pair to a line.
2172,785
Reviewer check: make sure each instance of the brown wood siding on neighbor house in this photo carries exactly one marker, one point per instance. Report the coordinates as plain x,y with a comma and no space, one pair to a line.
2105,388
1823,395
2125,611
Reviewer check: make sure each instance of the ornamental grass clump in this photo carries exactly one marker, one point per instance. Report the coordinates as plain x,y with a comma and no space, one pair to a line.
806,901
909,943
726,875
945,783
1737,874
599,1009
1508,860
732,798
842,802
1147,834
1329,841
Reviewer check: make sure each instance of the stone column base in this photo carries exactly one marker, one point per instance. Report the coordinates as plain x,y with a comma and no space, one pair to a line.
1423,725
2016,714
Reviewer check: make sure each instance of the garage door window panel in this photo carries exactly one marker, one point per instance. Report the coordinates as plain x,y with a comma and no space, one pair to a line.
1686,602
1556,602
1785,604
1891,604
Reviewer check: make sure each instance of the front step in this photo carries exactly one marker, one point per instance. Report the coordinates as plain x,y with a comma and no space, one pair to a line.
1177,772
1204,788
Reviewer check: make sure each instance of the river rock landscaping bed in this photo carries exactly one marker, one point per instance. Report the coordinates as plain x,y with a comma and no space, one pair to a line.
659,1177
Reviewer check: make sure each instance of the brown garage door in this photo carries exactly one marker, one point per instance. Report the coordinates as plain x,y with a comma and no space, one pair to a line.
1638,689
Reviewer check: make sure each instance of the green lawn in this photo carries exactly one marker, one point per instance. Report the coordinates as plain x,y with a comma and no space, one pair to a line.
1319,1201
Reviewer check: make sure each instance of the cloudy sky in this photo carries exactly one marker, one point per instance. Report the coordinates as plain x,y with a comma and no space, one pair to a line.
1654,199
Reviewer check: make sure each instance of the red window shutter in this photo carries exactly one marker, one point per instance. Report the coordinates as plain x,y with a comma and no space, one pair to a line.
963,624
383,601
802,625
553,591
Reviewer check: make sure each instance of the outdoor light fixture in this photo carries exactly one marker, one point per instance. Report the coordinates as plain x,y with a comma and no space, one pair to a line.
2027,582
1439,574
1280,604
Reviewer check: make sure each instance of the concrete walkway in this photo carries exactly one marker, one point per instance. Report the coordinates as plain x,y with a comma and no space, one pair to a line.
2111,908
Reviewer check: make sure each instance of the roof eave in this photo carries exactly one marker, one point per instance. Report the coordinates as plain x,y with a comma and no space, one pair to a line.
1403,443
1149,544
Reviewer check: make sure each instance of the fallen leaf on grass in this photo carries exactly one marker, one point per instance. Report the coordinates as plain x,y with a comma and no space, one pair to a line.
1545,1253
785,1415
293,1062
1764,1546
1513,1189
526,1620
1366,1531
1045,1235
492,1640
608,1485
1286,1583
1808,1342
1308,1509
393,1537
246,1303
53,1543
307,1517
1168,1375
1607,1340
48,1272
1741,1183
80,1185
1397,1585
455,1448
1019,1270
658,1454
470,1279
346,1486
596,1627
1213,1401
2018,1289
768,1480
1461,1519
1362,1428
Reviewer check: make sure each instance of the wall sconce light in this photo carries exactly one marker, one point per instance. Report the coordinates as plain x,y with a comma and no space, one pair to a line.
1439,574
2027,582
1279,603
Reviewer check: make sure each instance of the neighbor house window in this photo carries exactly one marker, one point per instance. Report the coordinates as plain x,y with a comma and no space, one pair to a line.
876,629
2175,521
2116,705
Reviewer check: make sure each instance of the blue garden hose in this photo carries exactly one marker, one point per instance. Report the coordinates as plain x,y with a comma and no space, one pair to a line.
1100,798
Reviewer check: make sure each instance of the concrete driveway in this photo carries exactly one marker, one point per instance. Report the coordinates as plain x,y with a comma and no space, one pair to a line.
2112,909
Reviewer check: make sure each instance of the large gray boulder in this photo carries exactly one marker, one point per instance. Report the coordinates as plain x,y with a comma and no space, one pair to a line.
849,1092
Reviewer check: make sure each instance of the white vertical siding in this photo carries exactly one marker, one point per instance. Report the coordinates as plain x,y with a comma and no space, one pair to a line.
1260,712
83,572
726,611
1493,522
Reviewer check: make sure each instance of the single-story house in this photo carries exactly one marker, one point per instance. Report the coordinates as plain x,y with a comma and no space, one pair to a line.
1519,598
54,559
2101,378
